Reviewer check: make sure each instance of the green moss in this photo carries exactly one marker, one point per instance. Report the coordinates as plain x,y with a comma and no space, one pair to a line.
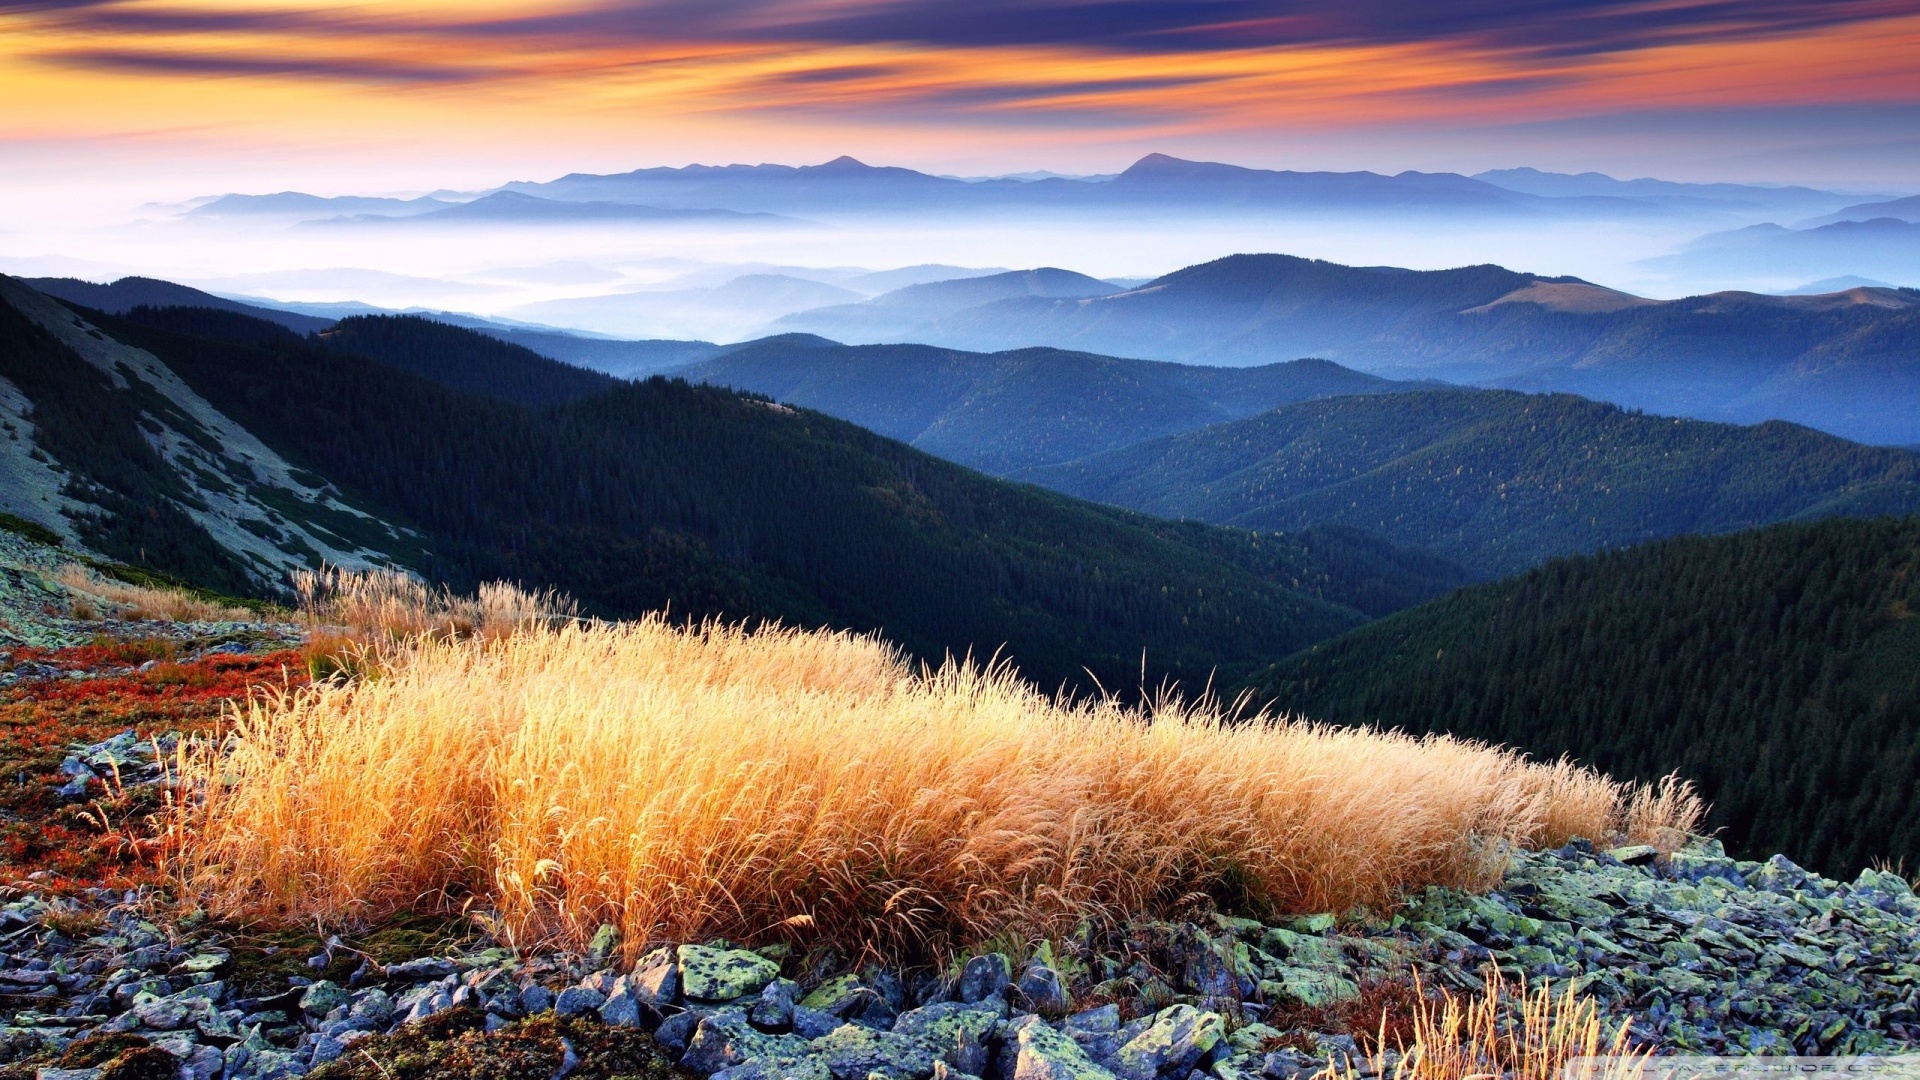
32,530
454,1046
97,1050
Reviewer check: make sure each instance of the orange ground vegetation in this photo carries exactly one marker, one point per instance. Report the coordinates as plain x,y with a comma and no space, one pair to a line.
106,839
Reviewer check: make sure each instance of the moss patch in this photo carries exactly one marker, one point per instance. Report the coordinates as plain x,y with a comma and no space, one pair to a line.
453,1046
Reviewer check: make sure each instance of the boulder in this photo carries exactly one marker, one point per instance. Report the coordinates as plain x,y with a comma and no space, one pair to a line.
1170,1047
725,1039
854,1052
721,975
655,980
1038,1052
984,977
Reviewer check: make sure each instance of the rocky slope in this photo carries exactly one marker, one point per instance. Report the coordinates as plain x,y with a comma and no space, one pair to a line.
1696,951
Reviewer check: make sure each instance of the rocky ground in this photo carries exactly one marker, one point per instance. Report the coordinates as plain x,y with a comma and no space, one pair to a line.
1704,953
106,976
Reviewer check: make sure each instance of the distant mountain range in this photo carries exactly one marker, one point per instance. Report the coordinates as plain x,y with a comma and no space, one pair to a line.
1775,669
519,208
1750,197
1846,362
1886,247
845,187
1907,209
1499,481
1001,412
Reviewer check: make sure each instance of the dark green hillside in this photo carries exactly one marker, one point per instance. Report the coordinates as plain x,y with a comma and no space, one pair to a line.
463,359
1779,669
1001,412
660,493
1497,480
93,428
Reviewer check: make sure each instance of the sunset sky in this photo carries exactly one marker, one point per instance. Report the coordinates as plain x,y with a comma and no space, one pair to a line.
425,92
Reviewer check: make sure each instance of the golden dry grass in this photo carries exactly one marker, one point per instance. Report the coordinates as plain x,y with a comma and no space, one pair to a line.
94,595
1506,1031
388,605
810,786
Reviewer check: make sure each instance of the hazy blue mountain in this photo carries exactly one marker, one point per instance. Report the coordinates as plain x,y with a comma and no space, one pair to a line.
1006,411
1244,309
1836,284
848,186
300,204
1907,209
1745,197
733,310
1500,481
1847,362
906,314
513,207
1884,247
130,292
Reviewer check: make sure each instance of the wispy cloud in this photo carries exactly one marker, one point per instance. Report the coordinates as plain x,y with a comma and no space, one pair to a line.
172,63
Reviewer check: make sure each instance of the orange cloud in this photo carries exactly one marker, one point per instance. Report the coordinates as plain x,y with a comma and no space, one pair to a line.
510,69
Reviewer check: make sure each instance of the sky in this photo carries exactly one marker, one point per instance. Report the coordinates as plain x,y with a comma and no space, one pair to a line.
173,98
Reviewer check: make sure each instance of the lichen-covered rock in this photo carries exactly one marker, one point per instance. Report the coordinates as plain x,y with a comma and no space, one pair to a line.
1170,1047
1039,1052
719,975
941,1023
1312,987
854,1052
726,1039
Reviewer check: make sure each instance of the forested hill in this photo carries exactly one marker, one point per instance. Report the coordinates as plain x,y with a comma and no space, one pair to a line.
464,359
1010,410
1779,669
663,493
1498,480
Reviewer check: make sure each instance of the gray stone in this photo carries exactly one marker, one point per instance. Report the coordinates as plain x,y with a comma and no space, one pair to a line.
941,1023
1043,988
575,1000
656,979
720,975
813,1023
804,1068
535,999
984,977
425,969
854,1052
372,1010
622,1008
774,1010
323,997
1039,1052
726,1039
1170,1047
675,1030
1104,1020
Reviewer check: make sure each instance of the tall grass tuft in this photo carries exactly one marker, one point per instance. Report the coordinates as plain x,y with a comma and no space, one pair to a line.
684,783
1506,1031
389,605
